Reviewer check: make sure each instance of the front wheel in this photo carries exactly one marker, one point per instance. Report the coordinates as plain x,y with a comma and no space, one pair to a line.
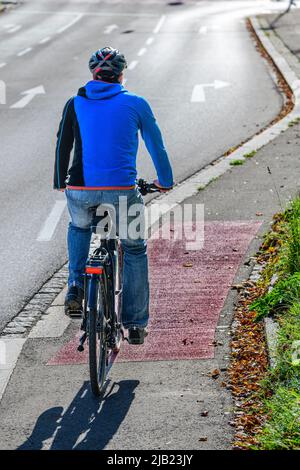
97,338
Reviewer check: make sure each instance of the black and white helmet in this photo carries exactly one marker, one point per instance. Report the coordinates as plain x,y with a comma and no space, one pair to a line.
107,63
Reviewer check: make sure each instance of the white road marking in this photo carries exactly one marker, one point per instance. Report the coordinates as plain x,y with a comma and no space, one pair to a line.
52,220
68,25
10,25
12,348
24,51
3,64
159,24
29,95
142,51
2,92
149,41
90,13
203,30
132,64
110,28
14,29
198,94
43,41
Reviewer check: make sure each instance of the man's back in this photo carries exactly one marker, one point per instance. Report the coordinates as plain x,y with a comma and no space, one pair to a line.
104,119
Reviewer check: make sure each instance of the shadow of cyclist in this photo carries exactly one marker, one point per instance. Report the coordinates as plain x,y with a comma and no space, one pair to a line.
87,424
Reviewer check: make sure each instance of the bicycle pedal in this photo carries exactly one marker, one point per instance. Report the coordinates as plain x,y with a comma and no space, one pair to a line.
75,313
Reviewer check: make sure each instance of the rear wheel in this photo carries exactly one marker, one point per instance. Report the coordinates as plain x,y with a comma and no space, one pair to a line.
97,338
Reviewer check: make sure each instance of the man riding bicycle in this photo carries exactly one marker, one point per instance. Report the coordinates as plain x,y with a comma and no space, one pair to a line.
103,121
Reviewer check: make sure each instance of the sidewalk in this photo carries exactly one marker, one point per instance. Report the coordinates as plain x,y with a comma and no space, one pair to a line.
170,396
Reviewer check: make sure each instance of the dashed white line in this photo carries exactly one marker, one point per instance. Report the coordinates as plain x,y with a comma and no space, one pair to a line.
71,23
159,24
24,51
14,29
132,64
110,28
3,64
203,30
52,220
142,51
149,41
43,41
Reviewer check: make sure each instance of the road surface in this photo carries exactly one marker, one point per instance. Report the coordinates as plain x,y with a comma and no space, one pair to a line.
194,62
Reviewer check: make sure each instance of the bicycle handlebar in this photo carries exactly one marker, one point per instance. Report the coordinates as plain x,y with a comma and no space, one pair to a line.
147,188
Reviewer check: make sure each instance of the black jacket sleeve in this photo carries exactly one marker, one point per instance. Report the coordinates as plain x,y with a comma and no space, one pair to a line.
65,139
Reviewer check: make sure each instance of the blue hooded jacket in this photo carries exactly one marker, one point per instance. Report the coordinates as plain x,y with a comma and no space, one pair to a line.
104,120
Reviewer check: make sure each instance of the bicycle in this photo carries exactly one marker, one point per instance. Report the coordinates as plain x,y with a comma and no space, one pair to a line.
102,303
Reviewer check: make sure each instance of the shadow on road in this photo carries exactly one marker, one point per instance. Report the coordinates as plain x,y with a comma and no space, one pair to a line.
87,423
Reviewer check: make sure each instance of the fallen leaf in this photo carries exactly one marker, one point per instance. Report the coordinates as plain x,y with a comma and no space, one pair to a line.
215,374
188,265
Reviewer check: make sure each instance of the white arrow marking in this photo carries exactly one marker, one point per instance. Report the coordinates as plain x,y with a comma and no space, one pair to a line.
110,28
51,222
203,30
198,94
29,95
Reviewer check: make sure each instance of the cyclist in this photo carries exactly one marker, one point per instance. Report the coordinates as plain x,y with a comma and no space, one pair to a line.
102,122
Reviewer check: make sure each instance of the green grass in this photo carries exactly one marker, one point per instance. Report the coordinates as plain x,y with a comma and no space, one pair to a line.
281,389
250,154
284,294
293,122
237,162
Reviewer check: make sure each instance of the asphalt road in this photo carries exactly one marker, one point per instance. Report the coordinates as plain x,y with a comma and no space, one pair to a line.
48,43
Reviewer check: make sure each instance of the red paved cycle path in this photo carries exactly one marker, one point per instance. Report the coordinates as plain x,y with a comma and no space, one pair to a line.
188,290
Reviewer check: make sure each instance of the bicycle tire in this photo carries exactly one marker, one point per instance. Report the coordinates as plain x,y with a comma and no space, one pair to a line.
97,339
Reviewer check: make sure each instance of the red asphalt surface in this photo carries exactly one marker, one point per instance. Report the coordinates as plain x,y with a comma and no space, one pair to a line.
188,291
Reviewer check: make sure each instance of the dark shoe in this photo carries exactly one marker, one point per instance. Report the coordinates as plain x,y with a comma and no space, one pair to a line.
73,301
137,335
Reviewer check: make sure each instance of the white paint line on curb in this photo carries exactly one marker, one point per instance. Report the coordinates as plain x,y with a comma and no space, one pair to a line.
132,64
10,351
49,227
149,41
159,24
68,25
142,51
24,51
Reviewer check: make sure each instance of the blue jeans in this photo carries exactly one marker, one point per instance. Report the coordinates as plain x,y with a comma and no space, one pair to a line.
81,205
